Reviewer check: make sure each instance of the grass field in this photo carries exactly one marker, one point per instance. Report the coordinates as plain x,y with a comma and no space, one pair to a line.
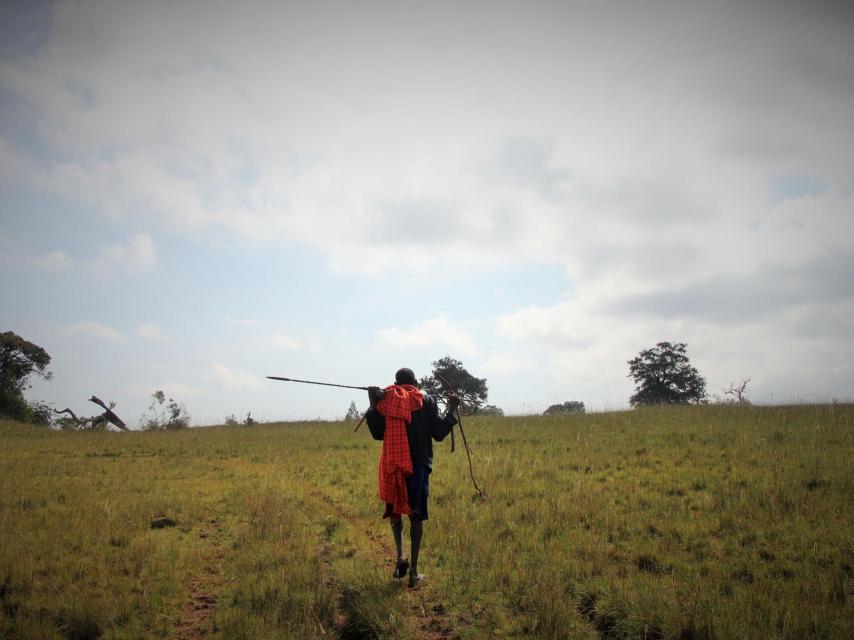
690,522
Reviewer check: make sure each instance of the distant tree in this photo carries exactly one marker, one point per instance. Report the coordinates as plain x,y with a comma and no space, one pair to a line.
736,391
19,360
663,375
490,410
352,413
570,406
164,415
472,391
232,421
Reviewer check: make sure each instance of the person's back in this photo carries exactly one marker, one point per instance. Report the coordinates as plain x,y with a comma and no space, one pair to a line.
425,425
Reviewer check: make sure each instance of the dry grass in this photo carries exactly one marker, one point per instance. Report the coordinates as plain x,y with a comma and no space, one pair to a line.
701,522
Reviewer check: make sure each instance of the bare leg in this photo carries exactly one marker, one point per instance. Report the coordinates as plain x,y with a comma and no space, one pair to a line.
401,566
416,532
397,532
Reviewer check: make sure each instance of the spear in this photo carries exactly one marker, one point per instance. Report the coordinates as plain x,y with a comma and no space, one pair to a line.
325,384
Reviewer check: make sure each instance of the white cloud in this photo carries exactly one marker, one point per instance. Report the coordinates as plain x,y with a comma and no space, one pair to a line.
282,341
436,333
138,255
503,363
55,261
236,380
233,145
635,151
93,329
241,322
150,331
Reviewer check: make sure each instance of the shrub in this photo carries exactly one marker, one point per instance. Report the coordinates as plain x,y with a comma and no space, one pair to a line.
570,406
168,417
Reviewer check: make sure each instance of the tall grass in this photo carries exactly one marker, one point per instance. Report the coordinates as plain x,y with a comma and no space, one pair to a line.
690,522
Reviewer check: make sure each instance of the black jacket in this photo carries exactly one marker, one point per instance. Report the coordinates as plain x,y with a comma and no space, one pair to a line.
425,427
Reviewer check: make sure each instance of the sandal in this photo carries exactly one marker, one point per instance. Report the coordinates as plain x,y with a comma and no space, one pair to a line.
401,568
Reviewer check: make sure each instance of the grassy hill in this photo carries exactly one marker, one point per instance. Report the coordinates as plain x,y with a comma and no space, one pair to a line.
680,522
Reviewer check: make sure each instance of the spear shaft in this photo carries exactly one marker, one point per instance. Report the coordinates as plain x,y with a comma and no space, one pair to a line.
325,384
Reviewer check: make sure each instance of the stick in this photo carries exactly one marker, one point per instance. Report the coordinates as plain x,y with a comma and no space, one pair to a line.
325,384
451,392
365,415
468,454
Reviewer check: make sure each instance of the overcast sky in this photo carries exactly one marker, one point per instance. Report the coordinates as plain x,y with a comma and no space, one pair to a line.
198,194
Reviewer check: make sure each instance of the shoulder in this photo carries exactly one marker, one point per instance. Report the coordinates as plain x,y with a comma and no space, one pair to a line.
429,400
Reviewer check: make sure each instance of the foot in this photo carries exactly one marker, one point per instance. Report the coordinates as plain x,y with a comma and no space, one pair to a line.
401,568
415,580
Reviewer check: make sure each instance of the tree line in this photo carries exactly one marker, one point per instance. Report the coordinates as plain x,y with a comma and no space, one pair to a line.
663,374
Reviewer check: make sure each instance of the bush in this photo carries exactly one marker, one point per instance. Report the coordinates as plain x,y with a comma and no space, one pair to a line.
570,406
232,421
162,418
490,410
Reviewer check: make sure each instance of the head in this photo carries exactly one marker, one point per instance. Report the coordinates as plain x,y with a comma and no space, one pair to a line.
405,376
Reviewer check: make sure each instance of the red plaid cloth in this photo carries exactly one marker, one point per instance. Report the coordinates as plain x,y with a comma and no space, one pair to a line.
395,463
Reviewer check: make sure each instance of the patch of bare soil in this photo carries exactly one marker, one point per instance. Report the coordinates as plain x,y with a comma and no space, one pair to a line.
198,615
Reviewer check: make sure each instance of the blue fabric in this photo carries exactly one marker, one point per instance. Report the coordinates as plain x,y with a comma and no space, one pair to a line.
418,488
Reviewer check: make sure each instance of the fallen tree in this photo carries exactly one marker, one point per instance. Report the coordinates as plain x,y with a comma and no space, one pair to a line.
99,421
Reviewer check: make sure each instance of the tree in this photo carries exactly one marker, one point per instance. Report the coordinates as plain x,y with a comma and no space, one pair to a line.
663,375
491,410
737,391
352,413
472,391
570,406
19,360
160,418
95,423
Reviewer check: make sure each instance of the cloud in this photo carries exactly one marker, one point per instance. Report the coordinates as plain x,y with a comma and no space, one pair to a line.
235,380
138,255
436,333
55,261
282,341
229,145
688,166
93,329
241,322
503,363
150,331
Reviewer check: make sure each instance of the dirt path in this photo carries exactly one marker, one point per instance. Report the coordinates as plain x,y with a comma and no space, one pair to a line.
424,605
198,615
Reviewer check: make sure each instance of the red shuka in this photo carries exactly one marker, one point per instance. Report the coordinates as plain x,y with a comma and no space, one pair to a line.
395,463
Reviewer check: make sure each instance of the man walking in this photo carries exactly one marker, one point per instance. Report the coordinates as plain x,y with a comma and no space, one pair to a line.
407,421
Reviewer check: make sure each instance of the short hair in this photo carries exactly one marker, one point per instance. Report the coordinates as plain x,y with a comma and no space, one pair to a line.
405,376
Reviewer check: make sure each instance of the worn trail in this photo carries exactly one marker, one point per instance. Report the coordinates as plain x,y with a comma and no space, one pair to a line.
198,617
423,605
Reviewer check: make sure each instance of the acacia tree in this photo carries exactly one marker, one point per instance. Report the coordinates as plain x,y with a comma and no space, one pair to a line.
737,391
471,390
19,360
663,375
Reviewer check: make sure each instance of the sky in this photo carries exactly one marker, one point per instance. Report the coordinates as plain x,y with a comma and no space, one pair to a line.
195,195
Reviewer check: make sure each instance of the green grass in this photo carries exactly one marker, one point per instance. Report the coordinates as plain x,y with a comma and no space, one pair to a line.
690,522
